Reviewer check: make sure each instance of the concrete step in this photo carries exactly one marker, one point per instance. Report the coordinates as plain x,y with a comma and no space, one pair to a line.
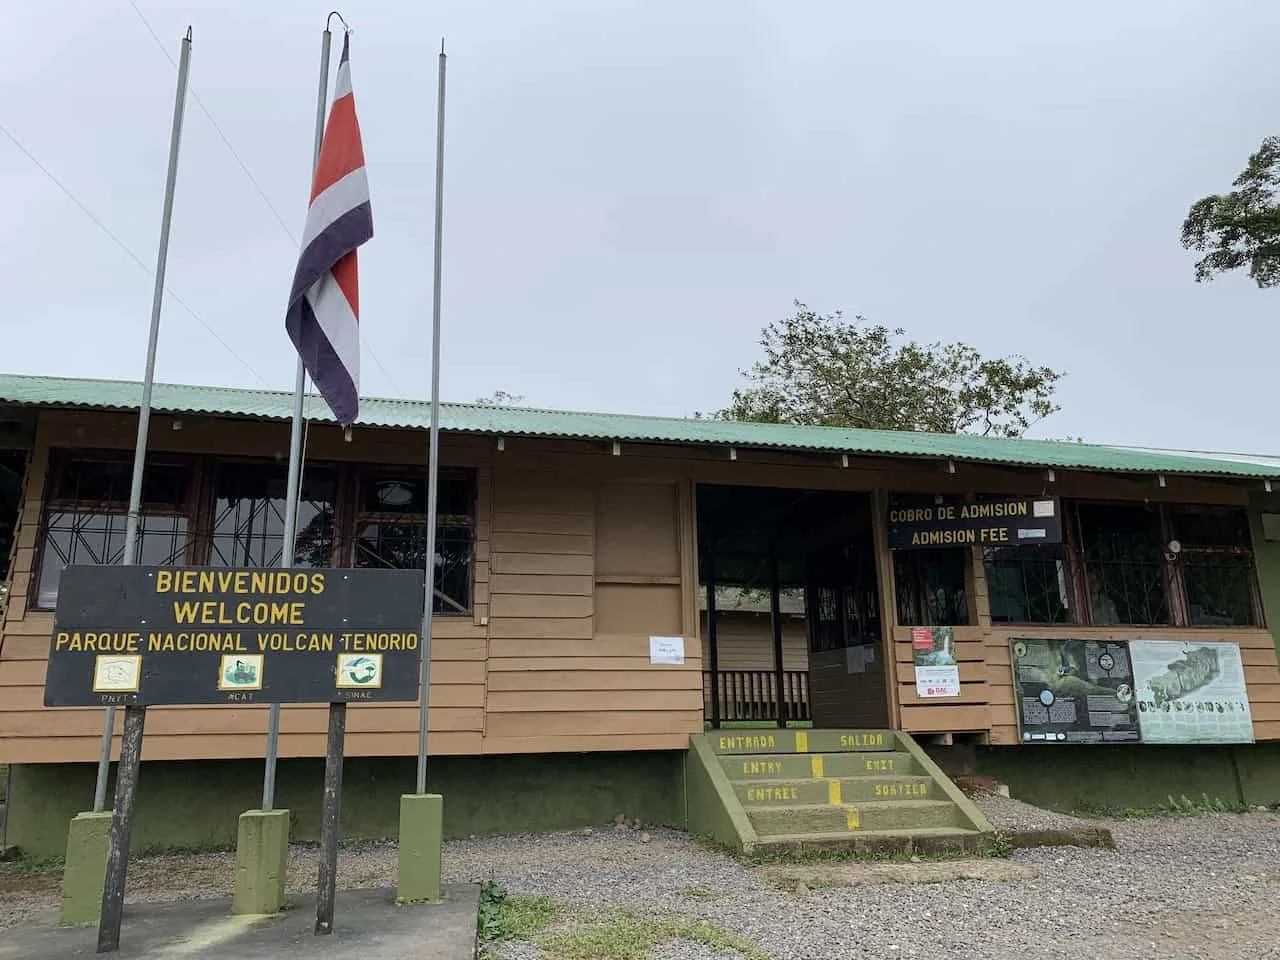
833,790
800,741
791,766
926,840
796,818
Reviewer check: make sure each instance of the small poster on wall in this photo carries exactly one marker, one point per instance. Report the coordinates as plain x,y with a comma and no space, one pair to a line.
1074,691
933,653
1191,692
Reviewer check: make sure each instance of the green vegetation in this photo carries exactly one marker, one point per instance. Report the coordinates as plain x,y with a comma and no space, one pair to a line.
603,935
1181,806
30,866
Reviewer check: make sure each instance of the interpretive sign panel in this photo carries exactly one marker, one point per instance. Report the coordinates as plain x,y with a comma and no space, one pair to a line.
1191,692
1074,691
990,523
128,635
933,653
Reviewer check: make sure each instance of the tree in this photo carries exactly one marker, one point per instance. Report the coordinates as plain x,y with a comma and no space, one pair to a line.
827,371
1240,228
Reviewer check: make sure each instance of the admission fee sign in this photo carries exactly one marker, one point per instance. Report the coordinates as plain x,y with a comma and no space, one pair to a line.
139,636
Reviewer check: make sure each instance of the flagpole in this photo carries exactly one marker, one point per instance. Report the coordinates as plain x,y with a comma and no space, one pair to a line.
134,512
135,716
294,483
433,444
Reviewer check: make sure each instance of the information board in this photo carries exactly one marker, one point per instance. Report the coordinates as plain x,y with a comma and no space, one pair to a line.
1009,522
199,635
1191,692
1074,691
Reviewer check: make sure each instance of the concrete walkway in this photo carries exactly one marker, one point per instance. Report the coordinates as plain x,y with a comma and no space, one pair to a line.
367,926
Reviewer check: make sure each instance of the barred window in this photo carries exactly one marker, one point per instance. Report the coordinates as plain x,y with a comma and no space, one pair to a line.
1029,584
1123,563
391,531
930,584
248,516
1216,561
85,515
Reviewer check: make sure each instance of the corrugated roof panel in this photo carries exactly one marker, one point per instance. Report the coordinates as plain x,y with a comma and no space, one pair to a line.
526,421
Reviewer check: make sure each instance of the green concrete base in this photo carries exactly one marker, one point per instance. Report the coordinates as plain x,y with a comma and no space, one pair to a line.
421,839
262,857
83,877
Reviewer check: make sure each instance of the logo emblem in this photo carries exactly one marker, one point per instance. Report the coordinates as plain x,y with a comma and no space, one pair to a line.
359,671
240,671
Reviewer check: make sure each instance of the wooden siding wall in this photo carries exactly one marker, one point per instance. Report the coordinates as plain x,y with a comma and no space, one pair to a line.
744,641
580,557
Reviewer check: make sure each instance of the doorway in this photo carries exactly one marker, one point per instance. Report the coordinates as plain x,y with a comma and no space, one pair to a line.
790,608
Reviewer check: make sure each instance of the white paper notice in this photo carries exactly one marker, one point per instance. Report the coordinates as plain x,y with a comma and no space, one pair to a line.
938,681
855,659
1042,508
666,650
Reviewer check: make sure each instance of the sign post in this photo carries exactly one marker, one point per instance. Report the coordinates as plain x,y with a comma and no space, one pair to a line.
133,636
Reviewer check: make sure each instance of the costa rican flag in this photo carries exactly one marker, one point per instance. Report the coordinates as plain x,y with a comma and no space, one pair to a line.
323,319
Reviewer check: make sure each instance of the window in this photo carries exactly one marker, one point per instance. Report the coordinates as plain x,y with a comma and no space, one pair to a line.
1216,563
247,529
1029,584
930,584
930,587
1120,545
391,531
84,517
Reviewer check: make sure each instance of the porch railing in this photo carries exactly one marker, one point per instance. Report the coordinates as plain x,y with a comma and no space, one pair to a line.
753,695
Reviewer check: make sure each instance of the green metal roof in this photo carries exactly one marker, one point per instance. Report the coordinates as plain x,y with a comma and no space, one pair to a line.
530,422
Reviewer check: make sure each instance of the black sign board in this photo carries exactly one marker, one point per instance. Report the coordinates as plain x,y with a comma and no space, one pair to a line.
1074,691
207,635
1008,522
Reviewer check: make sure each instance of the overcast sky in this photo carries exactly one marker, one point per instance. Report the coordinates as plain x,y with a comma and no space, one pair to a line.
633,189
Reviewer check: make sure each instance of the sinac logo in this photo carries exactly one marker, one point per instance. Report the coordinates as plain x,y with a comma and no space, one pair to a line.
361,670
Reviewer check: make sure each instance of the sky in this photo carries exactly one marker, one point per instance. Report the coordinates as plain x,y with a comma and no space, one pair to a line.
634,188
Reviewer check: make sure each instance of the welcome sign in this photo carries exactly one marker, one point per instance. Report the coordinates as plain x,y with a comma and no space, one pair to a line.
199,635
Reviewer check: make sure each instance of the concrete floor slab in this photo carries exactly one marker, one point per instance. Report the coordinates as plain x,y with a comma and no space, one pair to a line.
368,925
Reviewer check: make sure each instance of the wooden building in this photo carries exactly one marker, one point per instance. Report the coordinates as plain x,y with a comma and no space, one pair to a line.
568,540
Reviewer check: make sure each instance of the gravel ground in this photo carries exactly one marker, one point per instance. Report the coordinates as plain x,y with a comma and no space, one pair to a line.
1009,815
1174,889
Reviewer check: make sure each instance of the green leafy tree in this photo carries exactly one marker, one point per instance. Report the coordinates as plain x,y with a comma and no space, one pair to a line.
825,370
1240,228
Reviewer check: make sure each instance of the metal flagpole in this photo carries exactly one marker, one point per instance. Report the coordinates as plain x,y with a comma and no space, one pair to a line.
134,514
433,445
294,484
135,716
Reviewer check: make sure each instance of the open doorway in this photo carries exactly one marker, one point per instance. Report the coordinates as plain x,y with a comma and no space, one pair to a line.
790,608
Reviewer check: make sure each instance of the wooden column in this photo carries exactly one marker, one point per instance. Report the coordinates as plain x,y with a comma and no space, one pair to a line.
775,623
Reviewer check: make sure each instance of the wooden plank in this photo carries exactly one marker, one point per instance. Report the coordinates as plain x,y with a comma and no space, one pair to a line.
542,564
1004,735
626,664
637,529
546,585
30,697
592,701
623,723
637,580
240,746
542,543
647,610
600,645
557,678
523,493
209,721
584,743
556,607
543,523
503,628
921,719
1266,731
970,693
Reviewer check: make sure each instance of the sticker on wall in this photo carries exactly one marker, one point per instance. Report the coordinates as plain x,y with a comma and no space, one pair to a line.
666,650
117,674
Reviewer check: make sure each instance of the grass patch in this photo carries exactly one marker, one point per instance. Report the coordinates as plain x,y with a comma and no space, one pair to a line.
1182,806
697,891
513,918
621,935
24,865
